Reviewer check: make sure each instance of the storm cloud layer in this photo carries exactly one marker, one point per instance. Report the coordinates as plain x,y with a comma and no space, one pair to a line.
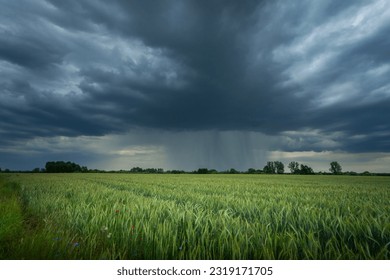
243,78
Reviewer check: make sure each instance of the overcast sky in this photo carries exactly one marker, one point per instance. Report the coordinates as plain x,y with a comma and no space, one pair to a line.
190,84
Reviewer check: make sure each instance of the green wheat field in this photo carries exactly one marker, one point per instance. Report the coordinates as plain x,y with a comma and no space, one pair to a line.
194,217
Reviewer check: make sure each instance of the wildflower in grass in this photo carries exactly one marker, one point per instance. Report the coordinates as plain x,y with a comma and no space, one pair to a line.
74,244
109,235
117,211
104,228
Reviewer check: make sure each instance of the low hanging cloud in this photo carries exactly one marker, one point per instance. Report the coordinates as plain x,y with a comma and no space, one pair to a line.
243,78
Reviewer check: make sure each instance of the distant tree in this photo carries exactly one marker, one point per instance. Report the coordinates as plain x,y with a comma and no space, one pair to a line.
306,170
202,171
50,167
150,170
269,168
254,171
251,171
176,171
36,170
335,167
273,167
62,167
279,167
232,171
294,167
136,170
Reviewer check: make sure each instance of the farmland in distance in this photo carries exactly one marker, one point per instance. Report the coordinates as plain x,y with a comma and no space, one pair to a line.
165,216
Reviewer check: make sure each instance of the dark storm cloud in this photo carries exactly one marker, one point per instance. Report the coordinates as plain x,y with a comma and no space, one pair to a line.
72,68
212,45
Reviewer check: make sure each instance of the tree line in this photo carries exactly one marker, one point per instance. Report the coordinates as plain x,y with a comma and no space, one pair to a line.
271,167
64,167
277,167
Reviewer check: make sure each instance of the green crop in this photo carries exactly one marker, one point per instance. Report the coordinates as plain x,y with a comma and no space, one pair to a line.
140,216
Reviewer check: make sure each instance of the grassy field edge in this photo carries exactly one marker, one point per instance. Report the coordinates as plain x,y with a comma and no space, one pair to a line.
11,218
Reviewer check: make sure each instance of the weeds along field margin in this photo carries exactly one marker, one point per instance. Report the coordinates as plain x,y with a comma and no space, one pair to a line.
164,216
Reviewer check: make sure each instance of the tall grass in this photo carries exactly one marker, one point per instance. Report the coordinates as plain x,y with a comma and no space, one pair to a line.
121,216
11,219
